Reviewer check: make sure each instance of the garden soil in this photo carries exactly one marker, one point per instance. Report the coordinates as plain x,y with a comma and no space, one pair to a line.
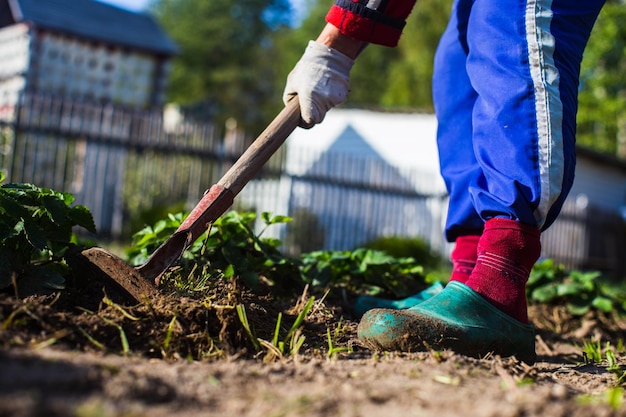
92,354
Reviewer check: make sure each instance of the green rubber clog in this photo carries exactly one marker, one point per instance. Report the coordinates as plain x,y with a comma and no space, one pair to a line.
365,302
457,318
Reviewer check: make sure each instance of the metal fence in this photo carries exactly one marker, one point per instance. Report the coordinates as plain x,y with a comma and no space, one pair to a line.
127,165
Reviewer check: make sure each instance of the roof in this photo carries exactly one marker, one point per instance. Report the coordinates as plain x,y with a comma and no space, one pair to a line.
95,21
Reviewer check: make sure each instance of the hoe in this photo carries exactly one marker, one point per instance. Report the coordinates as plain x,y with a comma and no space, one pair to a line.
141,281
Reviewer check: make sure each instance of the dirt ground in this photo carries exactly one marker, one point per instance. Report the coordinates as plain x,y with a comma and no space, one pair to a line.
76,355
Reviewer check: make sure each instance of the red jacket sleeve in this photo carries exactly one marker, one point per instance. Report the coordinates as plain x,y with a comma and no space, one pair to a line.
382,25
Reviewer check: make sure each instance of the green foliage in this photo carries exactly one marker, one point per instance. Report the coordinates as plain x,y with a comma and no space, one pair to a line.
222,69
409,79
602,98
363,270
405,247
35,233
549,283
230,247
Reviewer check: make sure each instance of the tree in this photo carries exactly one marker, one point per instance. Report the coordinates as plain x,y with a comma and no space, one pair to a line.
289,44
410,77
602,98
222,70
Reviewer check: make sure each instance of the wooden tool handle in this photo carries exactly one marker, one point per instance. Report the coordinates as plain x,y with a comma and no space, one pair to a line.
265,145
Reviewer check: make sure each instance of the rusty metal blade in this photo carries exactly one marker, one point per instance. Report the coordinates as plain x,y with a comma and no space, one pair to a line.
107,265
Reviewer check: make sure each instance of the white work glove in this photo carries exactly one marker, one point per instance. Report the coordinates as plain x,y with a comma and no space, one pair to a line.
321,80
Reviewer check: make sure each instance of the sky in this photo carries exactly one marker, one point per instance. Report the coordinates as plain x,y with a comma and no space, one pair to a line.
128,4
137,5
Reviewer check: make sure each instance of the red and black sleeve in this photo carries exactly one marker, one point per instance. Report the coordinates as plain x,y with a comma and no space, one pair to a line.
374,21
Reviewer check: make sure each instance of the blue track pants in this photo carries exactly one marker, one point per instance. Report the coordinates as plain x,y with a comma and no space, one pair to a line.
505,90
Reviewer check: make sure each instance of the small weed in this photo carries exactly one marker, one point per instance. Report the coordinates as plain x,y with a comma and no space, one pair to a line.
243,318
294,338
120,329
615,397
119,308
525,382
592,351
290,344
52,340
333,349
614,368
168,336
437,355
91,339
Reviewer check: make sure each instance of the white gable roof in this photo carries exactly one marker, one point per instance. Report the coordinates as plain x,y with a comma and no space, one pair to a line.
406,141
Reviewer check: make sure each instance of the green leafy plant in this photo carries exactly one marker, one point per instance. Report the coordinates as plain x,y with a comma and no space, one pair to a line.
35,234
550,283
230,247
364,270
405,247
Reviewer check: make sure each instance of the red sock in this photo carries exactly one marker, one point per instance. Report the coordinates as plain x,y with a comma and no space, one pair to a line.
507,251
463,257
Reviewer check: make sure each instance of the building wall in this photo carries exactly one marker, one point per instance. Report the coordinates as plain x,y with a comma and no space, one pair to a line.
83,70
51,63
14,56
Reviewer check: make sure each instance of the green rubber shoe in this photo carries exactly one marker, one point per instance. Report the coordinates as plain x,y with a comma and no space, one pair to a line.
457,318
365,302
